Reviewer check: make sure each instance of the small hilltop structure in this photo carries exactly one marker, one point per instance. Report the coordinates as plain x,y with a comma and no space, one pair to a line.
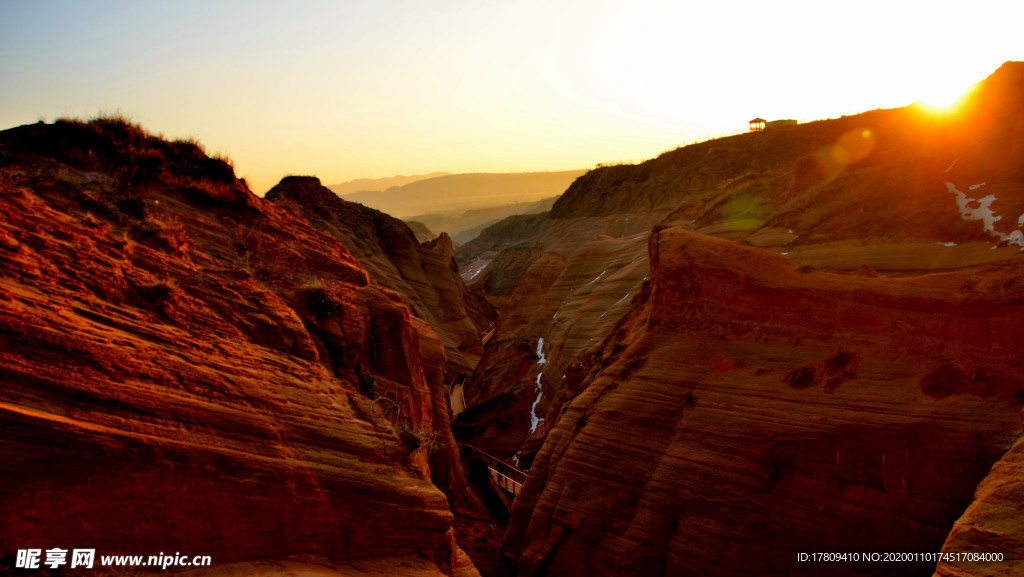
758,124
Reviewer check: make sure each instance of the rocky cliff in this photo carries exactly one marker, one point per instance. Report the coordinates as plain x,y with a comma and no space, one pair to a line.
991,525
424,274
750,407
187,367
889,192
813,350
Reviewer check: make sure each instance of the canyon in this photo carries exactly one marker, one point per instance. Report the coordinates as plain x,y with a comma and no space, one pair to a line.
796,340
813,348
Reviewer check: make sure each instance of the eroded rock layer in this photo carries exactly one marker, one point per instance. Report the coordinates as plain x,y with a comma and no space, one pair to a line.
746,411
991,526
425,275
186,367
888,193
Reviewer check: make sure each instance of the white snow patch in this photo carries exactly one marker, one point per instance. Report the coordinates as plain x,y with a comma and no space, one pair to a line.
976,186
947,243
598,277
985,214
784,253
620,300
790,231
540,351
1020,220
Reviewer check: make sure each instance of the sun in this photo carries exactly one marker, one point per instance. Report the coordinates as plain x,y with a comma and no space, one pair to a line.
945,98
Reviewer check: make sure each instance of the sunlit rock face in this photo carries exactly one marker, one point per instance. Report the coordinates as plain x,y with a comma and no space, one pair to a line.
425,275
187,367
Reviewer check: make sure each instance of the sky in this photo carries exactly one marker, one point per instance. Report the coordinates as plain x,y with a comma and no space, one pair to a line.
367,89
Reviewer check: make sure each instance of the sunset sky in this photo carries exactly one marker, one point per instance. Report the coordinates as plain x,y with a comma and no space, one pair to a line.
357,89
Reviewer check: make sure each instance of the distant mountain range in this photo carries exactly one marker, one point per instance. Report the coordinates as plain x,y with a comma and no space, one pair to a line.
456,193
365,184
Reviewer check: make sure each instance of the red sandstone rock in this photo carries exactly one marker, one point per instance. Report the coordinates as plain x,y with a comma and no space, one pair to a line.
865,194
747,411
991,525
425,275
846,384
172,381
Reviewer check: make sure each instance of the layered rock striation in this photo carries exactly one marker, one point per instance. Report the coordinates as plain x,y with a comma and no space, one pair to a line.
890,193
747,410
424,274
187,367
814,350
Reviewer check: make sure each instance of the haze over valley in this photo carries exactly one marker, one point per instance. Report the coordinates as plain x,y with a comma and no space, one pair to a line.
462,204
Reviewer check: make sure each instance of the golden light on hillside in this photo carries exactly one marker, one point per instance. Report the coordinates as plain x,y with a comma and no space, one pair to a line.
945,98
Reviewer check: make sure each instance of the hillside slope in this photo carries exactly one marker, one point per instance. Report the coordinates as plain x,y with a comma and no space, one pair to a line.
188,367
829,360
888,192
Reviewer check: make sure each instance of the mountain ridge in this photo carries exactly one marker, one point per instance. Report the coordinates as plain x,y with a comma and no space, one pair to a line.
382,183
461,192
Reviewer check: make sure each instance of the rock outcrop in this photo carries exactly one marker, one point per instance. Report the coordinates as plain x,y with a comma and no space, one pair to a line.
747,411
422,231
187,367
424,274
813,351
991,526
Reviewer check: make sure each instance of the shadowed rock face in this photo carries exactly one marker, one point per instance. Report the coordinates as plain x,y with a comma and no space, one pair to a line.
187,367
425,275
745,406
991,525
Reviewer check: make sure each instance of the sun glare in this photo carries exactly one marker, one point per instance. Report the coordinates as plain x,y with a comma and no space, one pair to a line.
945,98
